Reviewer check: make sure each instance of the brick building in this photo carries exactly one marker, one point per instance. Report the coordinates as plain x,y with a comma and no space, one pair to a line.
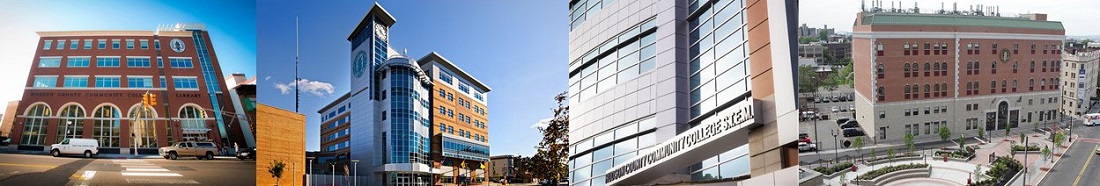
915,73
89,84
281,133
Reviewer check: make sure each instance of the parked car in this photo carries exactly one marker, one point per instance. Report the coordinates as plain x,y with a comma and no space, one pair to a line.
842,120
852,108
849,124
836,98
817,100
87,147
822,116
200,150
803,137
5,142
248,153
803,146
835,109
853,132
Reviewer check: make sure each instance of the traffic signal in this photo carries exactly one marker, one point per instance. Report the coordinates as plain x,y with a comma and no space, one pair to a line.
145,99
152,99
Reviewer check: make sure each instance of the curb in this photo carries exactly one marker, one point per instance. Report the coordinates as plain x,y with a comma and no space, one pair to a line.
1056,161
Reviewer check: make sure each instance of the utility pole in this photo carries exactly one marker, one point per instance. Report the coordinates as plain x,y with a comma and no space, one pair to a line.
296,57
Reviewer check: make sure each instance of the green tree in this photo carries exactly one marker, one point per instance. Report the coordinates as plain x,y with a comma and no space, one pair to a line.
823,35
1046,153
276,170
807,40
1057,139
945,133
981,133
1022,135
962,139
909,142
1008,131
890,153
808,82
978,176
858,145
1086,42
553,151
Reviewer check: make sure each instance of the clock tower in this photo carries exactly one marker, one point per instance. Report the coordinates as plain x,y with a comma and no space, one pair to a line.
369,50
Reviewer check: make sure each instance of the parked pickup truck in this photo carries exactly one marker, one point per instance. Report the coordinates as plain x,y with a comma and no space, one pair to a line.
200,150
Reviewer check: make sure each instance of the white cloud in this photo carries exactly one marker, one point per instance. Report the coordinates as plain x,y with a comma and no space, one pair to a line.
543,123
267,78
316,88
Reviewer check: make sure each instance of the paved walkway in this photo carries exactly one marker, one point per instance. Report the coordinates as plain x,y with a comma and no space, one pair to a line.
957,173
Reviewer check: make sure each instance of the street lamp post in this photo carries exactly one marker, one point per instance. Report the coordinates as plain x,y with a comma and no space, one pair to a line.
814,103
1025,158
836,148
333,173
309,173
355,179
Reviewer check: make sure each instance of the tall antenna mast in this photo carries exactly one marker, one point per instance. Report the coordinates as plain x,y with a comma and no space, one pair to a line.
296,92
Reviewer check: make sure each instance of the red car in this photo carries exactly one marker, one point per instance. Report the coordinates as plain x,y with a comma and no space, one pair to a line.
803,137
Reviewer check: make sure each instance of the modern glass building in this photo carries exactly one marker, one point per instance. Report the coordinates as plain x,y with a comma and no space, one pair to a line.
407,122
682,91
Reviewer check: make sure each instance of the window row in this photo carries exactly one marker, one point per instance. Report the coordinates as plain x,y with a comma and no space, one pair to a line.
937,48
108,81
929,127
927,111
972,48
618,63
111,61
74,44
930,91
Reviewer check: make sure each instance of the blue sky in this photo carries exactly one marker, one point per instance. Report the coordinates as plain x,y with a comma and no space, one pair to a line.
518,48
231,24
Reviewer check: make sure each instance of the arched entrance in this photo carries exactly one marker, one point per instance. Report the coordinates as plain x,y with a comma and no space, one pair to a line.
142,130
1003,117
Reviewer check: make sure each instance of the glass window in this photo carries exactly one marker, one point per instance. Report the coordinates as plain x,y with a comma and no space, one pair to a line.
45,81
79,61
181,62
107,61
129,44
156,44
185,82
81,81
61,44
73,44
87,44
139,82
102,43
137,62
115,43
108,82
49,61
144,44
48,45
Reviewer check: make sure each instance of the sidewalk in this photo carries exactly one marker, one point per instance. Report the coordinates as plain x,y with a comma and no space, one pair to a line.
10,150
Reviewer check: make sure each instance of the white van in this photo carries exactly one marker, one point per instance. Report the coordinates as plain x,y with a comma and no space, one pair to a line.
87,147
1092,119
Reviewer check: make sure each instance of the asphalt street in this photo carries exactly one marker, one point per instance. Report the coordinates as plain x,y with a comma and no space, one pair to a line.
1079,165
24,169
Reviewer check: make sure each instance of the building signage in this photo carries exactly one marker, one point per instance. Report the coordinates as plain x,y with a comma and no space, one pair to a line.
743,115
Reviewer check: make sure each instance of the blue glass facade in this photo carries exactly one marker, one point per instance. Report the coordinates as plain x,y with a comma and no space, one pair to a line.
408,145
209,76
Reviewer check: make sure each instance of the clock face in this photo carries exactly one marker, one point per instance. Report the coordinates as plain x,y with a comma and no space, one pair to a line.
177,45
380,31
1005,55
359,65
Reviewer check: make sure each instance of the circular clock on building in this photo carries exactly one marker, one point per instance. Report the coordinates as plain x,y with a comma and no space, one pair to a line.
359,65
1005,55
177,45
380,31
